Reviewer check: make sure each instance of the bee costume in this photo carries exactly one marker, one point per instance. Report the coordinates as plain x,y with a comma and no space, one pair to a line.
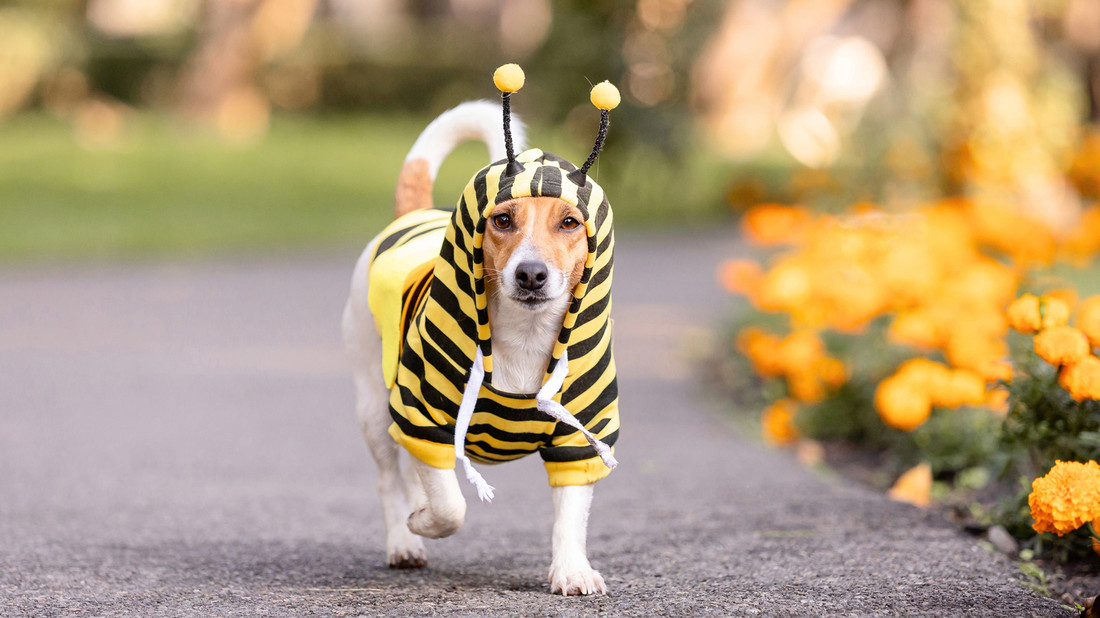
428,296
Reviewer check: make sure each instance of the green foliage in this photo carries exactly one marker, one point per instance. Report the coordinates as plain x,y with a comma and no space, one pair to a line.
163,190
309,182
1045,422
1035,578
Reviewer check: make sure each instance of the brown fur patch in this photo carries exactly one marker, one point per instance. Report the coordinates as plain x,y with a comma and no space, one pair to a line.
540,219
414,188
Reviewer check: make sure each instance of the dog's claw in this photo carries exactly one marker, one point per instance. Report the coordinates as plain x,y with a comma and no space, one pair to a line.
408,562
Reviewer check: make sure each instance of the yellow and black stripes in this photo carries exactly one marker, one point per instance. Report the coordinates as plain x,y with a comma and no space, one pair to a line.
452,323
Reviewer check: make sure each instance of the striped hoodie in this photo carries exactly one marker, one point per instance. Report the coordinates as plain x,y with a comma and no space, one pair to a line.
437,344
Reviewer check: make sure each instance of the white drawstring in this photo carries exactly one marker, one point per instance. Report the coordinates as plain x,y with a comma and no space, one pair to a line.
543,401
462,423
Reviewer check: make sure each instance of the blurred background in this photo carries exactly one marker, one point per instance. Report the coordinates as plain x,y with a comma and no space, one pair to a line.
131,127
904,169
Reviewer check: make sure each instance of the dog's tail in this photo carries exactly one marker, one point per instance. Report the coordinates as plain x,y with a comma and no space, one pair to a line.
471,120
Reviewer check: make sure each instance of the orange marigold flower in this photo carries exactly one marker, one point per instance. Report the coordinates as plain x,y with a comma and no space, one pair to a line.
741,276
982,282
1055,311
1004,228
1084,240
1066,295
997,370
786,286
927,375
917,328
1030,313
854,303
778,422
1088,319
805,387
759,346
776,224
1082,379
799,351
1023,314
1066,498
997,400
976,351
902,404
914,486
960,388
1061,345
831,371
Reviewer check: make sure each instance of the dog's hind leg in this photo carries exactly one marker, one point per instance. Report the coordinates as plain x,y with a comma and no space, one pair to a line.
403,548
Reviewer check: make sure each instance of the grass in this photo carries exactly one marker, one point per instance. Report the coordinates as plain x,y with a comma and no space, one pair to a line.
164,189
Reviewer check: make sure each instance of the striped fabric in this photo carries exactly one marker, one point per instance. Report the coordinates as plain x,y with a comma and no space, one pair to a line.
452,322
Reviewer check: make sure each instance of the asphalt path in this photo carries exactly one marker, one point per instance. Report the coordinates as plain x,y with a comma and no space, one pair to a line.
178,439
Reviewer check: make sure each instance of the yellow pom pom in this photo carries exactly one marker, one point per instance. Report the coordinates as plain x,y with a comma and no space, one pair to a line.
605,95
508,78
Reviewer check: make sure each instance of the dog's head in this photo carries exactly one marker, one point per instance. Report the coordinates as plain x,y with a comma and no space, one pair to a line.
535,250
531,230
537,245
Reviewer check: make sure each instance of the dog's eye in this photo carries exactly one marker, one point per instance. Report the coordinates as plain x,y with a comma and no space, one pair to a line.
569,223
502,221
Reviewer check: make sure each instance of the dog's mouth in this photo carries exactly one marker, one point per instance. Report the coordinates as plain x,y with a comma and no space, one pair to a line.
531,301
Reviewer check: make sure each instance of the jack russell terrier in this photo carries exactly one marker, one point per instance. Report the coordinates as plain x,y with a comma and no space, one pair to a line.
483,333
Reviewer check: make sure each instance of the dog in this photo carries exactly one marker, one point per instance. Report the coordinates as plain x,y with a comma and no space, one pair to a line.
499,339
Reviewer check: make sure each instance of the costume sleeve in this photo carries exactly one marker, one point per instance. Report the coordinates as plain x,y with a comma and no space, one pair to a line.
571,460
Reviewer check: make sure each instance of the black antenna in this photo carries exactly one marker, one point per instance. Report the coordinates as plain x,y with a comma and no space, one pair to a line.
514,166
605,121
509,78
605,96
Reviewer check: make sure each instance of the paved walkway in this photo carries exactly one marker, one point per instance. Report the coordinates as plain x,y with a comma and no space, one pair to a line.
178,439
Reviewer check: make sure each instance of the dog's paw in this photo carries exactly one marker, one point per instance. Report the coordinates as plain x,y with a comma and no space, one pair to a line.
432,525
576,581
406,552
407,558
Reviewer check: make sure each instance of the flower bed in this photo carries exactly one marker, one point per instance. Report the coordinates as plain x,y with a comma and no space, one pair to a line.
956,341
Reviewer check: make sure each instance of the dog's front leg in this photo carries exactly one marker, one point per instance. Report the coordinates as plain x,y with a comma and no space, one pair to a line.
445,510
570,572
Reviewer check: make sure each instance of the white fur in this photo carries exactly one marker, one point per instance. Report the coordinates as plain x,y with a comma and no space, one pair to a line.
417,499
570,572
524,338
399,486
481,120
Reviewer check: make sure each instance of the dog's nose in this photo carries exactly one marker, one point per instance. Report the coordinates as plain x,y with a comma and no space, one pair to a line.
531,275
